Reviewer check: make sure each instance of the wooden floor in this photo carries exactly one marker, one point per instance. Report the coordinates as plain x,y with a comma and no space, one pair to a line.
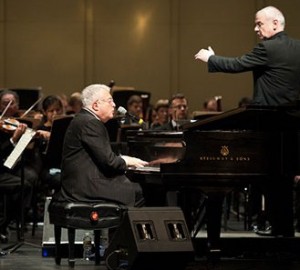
241,250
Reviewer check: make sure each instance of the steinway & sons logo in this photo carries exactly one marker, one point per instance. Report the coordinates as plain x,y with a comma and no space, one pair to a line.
225,155
224,150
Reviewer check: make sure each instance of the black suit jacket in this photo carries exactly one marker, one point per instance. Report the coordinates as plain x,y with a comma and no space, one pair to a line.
275,64
91,171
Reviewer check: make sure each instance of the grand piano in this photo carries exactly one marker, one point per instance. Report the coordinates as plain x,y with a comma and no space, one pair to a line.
238,147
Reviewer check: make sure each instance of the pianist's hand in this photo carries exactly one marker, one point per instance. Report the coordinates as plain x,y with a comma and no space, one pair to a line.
134,162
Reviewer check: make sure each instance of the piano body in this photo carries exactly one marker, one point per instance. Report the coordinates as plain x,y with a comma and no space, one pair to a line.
238,147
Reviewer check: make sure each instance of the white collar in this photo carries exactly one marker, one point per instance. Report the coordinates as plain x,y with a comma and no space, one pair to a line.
90,111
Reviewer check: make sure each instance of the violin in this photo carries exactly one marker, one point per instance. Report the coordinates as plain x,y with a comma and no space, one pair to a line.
9,124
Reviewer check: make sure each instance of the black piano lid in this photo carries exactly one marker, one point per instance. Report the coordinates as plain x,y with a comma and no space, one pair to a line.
252,117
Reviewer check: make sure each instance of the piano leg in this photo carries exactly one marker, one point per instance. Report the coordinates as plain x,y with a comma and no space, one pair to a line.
212,201
214,207
279,200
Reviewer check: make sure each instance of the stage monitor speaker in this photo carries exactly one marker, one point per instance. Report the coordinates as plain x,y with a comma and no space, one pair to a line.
151,238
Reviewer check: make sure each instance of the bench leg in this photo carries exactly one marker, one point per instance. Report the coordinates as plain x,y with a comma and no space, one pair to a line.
71,238
57,236
97,246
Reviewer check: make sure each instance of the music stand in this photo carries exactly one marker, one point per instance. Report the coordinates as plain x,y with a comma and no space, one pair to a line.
28,96
55,144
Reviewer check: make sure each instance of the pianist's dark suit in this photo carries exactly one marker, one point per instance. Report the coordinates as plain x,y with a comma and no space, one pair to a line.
90,169
275,64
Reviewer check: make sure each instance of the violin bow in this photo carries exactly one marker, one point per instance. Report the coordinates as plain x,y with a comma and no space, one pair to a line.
6,108
30,108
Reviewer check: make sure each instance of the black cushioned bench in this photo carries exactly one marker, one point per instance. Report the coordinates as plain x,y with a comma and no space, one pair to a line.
86,216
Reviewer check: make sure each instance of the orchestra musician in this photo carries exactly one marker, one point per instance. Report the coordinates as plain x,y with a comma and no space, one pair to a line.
52,108
210,105
75,103
161,113
10,179
135,108
6,97
91,171
213,104
276,82
178,112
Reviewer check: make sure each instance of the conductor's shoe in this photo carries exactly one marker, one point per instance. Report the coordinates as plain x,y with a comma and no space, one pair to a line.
3,235
270,232
266,232
3,238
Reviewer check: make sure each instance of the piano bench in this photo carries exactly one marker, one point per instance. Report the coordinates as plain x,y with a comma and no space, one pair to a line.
85,216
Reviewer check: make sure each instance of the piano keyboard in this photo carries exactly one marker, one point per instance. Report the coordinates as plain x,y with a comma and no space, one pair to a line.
146,169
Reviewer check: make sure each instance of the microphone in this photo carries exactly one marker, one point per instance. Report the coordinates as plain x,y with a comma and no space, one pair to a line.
111,84
121,110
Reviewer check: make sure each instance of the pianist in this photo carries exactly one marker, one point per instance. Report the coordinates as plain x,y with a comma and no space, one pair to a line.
90,169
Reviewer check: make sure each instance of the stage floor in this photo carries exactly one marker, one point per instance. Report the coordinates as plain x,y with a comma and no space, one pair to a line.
242,250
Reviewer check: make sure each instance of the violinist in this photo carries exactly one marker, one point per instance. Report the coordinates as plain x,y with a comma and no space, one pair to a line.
52,108
6,97
10,179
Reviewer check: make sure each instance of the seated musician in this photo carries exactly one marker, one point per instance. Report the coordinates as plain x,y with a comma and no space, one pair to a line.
75,103
7,96
178,112
210,105
91,171
161,113
135,108
10,180
52,107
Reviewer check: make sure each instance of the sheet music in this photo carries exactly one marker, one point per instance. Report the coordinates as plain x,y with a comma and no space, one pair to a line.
19,148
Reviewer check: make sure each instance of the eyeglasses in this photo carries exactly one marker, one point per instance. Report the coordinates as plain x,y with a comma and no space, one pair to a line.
109,100
179,107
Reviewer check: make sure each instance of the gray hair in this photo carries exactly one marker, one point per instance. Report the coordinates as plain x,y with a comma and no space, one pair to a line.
93,92
10,92
274,14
